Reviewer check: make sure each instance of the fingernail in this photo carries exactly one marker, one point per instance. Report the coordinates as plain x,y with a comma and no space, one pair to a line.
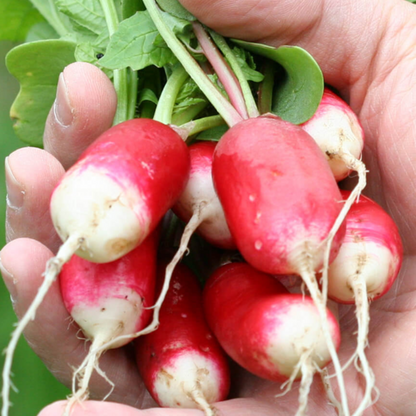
15,191
62,106
9,281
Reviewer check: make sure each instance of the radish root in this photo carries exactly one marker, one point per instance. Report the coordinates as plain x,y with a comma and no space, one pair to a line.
358,166
308,276
198,397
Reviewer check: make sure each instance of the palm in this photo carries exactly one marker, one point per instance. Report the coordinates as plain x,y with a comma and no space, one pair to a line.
373,72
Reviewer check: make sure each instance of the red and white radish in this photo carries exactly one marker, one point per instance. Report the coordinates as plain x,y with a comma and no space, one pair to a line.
199,205
181,363
280,201
108,300
111,200
338,132
366,266
270,332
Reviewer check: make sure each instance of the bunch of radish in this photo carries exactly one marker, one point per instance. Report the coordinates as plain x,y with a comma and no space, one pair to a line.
268,189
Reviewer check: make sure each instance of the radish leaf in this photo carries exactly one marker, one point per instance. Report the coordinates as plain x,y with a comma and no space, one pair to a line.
16,19
299,90
36,66
136,44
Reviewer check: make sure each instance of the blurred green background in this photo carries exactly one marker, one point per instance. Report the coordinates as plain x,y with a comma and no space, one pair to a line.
37,387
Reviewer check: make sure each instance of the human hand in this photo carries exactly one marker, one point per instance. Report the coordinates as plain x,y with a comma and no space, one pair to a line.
373,71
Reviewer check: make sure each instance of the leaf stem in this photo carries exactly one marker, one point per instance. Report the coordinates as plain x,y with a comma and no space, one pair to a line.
170,91
221,104
133,85
266,88
202,124
222,69
120,78
232,60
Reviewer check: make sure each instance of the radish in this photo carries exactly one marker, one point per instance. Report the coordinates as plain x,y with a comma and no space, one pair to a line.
110,201
339,134
181,363
108,300
270,332
280,201
278,193
199,204
364,270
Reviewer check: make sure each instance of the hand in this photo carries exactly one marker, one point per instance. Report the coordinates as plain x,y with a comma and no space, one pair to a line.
366,51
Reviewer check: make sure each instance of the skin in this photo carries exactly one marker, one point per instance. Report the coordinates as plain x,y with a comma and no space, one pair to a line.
366,51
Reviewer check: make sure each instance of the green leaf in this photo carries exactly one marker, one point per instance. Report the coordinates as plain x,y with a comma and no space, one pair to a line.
247,65
147,94
213,134
134,45
86,13
87,52
300,89
17,17
189,95
41,31
129,7
56,19
176,9
36,66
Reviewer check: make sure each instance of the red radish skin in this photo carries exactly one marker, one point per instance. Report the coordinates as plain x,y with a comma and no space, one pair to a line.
282,204
200,190
110,201
367,264
181,363
267,330
278,194
107,301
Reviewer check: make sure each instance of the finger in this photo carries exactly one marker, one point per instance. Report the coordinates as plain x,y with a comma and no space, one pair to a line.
84,108
31,176
53,336
239,407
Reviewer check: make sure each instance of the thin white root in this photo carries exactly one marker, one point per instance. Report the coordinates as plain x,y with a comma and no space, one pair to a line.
190,228
82,376
53,268
308,371
199,398
308,276
358,166
329,392
361,363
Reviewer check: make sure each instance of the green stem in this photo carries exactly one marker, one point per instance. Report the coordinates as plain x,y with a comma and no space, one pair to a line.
220,103
202,124
133,84
120,78
235,66
266,88
170,91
